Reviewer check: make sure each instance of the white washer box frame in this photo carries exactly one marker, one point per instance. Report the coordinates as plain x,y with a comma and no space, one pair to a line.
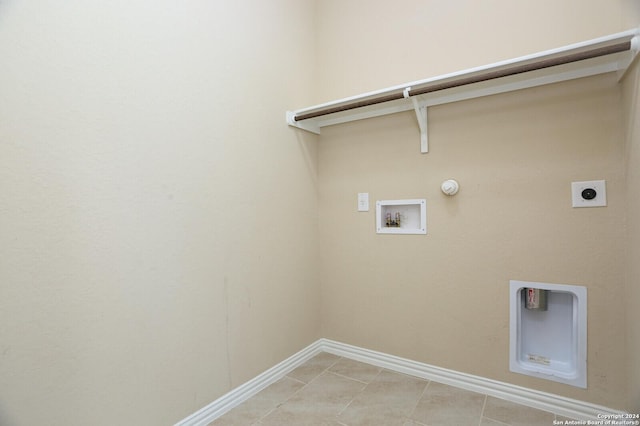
578,343
416,208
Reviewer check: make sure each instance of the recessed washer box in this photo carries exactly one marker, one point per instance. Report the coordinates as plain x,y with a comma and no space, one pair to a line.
401,216
549,344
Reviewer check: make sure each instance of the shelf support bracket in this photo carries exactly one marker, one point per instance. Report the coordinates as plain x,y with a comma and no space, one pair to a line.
309,127
633,53
421,115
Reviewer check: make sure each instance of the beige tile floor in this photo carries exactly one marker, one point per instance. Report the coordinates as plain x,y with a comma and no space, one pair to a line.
332,391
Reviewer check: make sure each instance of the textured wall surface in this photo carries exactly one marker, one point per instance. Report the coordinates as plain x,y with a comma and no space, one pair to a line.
159,221
158,218
632,295
370,45
443,298
631,92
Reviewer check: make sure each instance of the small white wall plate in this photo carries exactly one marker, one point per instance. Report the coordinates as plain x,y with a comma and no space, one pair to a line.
590,193
363,201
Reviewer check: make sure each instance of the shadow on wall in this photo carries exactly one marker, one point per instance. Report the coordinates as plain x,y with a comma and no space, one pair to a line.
307,142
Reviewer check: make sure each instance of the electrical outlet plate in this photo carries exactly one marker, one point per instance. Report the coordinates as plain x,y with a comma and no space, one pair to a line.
363,201
578,193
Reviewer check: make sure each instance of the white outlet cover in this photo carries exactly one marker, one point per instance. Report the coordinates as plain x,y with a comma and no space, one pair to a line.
363,201
599,186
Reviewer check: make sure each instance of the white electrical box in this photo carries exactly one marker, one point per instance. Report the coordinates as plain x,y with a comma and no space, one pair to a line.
591,193
401,216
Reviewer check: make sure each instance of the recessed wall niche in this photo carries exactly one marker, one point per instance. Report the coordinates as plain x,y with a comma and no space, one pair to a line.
401,216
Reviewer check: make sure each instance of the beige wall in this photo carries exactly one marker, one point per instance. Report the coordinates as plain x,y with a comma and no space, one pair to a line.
632,294
369,45
158,219
631,104
443,298
631,93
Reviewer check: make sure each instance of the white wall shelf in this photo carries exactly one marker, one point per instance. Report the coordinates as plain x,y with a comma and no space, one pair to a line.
613,53
401,216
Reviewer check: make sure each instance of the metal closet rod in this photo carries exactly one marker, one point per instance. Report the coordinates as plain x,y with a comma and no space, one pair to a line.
519,69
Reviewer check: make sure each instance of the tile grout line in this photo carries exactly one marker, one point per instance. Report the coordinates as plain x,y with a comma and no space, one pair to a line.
298,391
356,395
328,371
294,379
484,404
347,377
352,379
424,391
497,422
278,405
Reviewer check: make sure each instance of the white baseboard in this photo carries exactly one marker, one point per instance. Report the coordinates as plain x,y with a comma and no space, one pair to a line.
544,401
532,398
236,396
